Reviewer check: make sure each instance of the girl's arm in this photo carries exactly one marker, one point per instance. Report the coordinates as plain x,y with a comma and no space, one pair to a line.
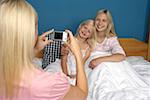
64,64
112,58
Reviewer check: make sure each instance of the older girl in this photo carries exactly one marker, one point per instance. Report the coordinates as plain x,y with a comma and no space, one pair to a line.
111,76
19,77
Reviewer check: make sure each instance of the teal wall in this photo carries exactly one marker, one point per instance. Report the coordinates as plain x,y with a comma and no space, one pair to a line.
130,16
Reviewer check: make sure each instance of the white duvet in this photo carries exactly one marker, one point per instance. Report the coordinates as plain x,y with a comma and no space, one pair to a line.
116,81
126,80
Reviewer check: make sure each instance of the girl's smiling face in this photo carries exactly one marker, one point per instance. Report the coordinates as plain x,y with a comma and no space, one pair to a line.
101,22
85,31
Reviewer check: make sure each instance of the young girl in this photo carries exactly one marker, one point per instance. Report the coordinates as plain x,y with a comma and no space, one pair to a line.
111,74
86,39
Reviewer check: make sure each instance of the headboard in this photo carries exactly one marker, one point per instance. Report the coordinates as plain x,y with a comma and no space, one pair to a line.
134,47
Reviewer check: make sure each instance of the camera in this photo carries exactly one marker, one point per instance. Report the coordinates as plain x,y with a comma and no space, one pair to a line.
52,51
59,36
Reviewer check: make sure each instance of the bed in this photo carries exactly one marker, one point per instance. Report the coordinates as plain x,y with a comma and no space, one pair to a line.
138,55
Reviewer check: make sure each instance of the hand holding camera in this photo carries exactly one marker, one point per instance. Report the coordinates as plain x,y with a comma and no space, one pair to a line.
59,36
52,51
73,44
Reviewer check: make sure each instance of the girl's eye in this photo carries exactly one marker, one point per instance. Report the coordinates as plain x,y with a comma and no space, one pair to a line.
104,20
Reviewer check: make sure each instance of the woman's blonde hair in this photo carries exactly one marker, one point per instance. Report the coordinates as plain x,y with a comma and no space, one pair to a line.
17,37
91,41
110,29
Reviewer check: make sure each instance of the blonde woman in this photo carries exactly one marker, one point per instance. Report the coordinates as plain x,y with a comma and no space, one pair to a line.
85,37
19,77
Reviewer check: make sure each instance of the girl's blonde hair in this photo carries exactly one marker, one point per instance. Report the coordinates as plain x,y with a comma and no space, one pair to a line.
17,38
110,29
91,41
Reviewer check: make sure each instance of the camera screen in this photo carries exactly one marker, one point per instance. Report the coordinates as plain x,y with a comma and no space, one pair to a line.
58,35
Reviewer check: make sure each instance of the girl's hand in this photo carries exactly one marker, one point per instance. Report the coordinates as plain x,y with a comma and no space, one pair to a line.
94,63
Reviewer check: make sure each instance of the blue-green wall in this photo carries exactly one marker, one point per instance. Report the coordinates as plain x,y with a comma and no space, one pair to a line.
130,16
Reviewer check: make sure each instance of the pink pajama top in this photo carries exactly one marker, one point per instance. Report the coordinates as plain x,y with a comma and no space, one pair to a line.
43,86
110,45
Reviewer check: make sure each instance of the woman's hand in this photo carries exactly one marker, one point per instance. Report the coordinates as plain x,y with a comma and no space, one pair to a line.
42,41
73,45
